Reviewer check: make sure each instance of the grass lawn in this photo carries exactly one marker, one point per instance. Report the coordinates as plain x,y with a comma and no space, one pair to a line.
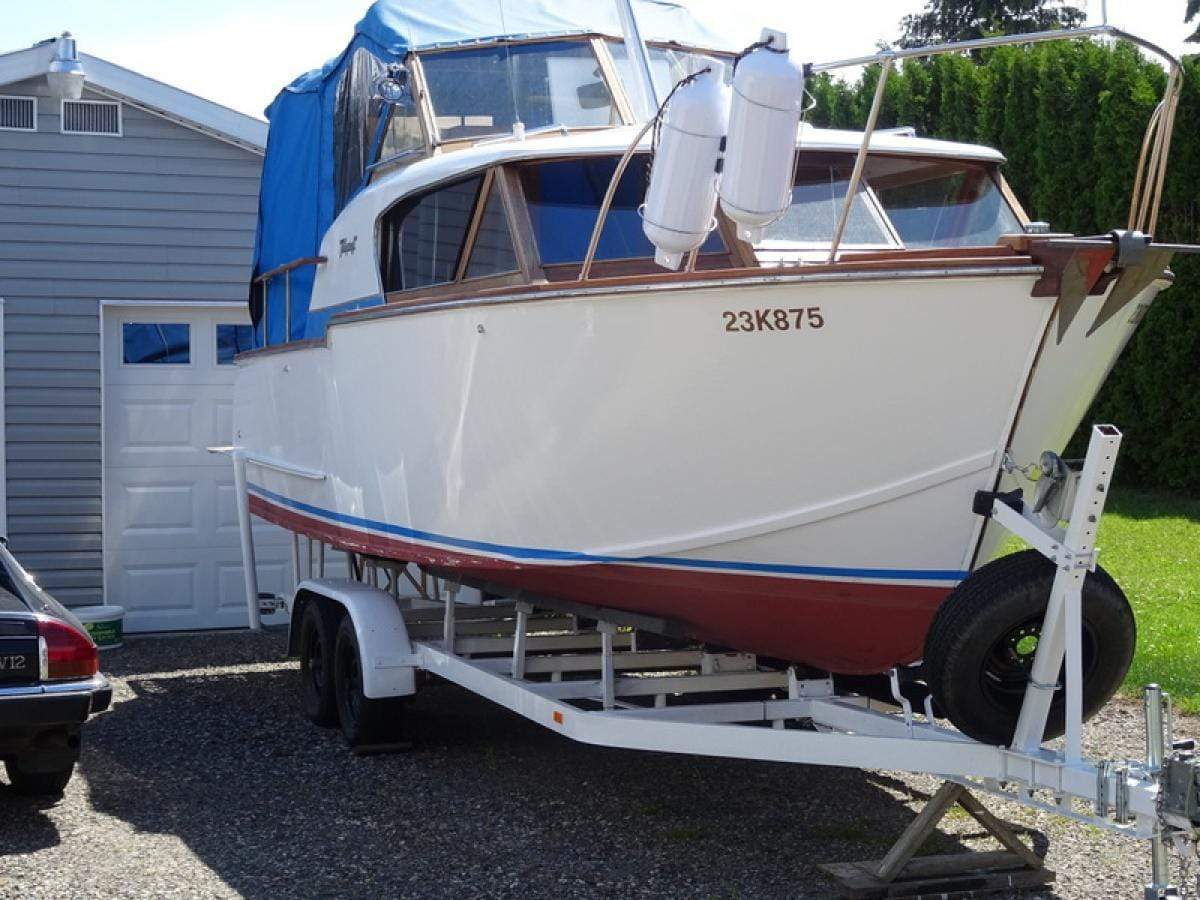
1150,543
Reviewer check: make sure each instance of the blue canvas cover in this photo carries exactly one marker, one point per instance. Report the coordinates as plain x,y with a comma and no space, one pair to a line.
298,196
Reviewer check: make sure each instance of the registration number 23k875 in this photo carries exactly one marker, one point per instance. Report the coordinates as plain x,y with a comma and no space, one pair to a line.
809,318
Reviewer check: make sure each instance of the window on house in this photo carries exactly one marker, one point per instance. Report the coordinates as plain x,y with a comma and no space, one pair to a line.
101,117
156,343
421,239
18,113
232,340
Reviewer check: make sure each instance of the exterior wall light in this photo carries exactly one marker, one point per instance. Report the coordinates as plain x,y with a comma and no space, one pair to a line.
65,75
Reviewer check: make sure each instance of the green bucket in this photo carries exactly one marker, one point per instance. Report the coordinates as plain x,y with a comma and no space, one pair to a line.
104,623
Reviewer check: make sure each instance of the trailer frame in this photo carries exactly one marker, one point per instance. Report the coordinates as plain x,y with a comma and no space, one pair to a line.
579,671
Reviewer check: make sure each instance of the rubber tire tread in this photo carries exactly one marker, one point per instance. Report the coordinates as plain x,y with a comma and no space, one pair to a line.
323,615
1011,589
380,720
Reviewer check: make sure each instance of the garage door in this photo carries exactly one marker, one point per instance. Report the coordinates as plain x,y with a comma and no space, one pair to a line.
171,550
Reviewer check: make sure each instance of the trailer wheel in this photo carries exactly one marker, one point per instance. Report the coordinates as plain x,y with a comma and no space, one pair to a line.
318,634
979,650
364,720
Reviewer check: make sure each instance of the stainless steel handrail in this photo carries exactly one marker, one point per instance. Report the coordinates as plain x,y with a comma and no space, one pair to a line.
1148,185
265,280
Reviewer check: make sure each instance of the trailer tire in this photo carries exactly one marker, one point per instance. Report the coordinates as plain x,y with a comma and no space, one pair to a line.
364,720
318,636
980,647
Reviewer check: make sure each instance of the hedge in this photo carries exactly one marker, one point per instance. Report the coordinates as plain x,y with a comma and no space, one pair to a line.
1070,119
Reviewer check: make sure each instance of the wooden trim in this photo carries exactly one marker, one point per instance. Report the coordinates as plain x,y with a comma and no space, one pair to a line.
616,87
897,262
273,349
558,273
420,86
467,288
1009,195
519,224
743,254
291,266
468,246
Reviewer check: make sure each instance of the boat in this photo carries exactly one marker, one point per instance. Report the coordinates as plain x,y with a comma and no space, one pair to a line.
472,358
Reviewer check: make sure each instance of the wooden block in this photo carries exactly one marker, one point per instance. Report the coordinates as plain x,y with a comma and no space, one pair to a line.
954,875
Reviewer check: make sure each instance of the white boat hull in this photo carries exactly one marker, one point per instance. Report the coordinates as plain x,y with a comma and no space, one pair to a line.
805,493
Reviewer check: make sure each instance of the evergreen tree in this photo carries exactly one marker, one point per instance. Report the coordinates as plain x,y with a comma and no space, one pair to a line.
965,20
1193,9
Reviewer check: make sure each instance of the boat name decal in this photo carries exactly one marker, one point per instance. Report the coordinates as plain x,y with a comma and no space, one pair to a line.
349,246
774,319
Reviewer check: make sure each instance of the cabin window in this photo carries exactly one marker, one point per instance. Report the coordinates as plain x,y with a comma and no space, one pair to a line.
484,91
422,238
156,343
564,199
668,65
817,199
355,124
942,203
492,251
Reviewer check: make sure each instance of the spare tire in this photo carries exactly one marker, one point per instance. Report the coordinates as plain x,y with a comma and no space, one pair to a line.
979,650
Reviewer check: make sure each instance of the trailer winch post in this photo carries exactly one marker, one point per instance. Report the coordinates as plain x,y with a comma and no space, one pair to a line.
1156,752
1062,629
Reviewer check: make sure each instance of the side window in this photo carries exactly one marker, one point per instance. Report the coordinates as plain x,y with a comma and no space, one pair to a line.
564,198
156,343
942,203
422,238
232,340
492,251
817,200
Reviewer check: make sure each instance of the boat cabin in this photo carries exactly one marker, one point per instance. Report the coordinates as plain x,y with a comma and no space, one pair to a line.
497,214
481,166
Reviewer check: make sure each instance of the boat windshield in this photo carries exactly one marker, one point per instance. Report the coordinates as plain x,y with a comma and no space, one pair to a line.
901,202
668,65
483,91
942,203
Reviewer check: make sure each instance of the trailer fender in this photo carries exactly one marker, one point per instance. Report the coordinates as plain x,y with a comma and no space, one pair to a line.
388,662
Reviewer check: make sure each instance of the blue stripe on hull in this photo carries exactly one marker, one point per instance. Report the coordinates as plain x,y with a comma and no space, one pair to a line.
538,554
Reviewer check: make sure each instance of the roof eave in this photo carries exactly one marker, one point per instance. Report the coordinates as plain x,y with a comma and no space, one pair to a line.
155,97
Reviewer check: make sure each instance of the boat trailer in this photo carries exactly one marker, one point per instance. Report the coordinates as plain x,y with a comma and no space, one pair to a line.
597,676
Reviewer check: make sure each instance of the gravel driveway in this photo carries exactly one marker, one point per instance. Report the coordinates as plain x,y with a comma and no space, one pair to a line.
204,781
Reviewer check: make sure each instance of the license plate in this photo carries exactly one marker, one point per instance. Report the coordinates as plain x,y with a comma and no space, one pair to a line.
18,661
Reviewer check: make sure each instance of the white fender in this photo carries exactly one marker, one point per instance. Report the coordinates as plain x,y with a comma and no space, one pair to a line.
388,661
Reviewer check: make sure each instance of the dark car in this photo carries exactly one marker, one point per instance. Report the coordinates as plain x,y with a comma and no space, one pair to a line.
49,683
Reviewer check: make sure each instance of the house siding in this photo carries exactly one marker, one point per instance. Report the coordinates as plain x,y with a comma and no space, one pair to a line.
161,214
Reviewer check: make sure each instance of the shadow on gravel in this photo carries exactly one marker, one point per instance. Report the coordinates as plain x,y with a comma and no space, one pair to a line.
24,827
487,804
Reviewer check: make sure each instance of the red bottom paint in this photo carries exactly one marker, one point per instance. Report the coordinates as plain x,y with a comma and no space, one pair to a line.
846,627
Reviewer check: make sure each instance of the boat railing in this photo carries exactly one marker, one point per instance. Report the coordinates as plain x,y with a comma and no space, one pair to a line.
1152,163
265,280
